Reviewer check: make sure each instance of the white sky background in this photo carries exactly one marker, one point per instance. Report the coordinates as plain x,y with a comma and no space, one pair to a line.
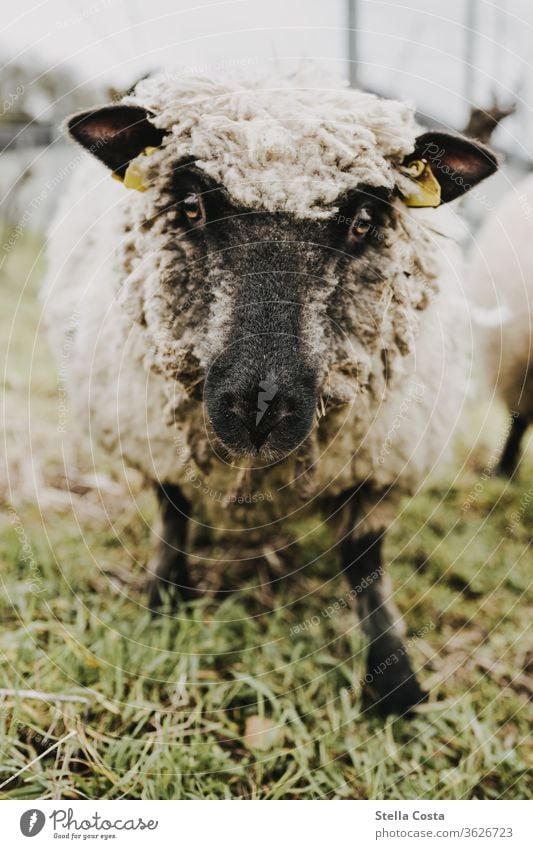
409,48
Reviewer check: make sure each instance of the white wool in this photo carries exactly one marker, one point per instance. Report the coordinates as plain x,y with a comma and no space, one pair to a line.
501,278
495,317
290,145
285,145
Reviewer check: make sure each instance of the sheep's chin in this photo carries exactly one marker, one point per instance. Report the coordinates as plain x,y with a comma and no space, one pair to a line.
252,458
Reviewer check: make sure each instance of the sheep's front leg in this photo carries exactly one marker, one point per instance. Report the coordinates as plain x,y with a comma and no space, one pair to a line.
171,570
389,672
511,453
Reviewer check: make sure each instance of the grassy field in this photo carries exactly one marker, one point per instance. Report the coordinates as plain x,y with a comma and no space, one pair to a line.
254,696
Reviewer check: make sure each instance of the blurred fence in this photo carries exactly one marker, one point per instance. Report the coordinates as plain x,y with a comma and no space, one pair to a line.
32,178
17,135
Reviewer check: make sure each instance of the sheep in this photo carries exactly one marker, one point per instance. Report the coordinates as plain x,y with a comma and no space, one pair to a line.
273,322
501,279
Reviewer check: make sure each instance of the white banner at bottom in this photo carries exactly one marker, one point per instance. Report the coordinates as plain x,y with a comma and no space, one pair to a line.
262,825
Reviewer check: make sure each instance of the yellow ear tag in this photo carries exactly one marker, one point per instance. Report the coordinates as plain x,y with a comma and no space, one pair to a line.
428,193
133,177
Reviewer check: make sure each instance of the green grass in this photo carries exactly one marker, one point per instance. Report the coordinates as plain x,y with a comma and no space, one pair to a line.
165,703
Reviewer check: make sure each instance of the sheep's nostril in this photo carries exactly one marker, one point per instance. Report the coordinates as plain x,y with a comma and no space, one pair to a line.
229,404
290,405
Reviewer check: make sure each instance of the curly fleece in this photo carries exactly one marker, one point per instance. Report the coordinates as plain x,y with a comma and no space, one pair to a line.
291,145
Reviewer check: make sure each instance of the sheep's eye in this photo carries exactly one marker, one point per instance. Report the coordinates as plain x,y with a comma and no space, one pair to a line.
193,209
362,223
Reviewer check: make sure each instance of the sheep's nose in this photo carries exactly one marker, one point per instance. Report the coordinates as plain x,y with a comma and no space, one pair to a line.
261,411
265,418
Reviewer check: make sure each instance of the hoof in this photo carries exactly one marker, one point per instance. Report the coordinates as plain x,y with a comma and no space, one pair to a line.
400,699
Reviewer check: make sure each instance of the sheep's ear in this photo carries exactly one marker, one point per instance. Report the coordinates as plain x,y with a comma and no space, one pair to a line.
115,134
456,163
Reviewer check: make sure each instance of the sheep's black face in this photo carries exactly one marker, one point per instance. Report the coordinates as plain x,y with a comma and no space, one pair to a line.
261,384
269,277
262,381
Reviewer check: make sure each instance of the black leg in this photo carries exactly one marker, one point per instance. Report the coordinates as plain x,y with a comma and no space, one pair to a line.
511,453
389,672
171,572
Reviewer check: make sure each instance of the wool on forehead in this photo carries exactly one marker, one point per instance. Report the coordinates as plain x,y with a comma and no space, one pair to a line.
291,144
